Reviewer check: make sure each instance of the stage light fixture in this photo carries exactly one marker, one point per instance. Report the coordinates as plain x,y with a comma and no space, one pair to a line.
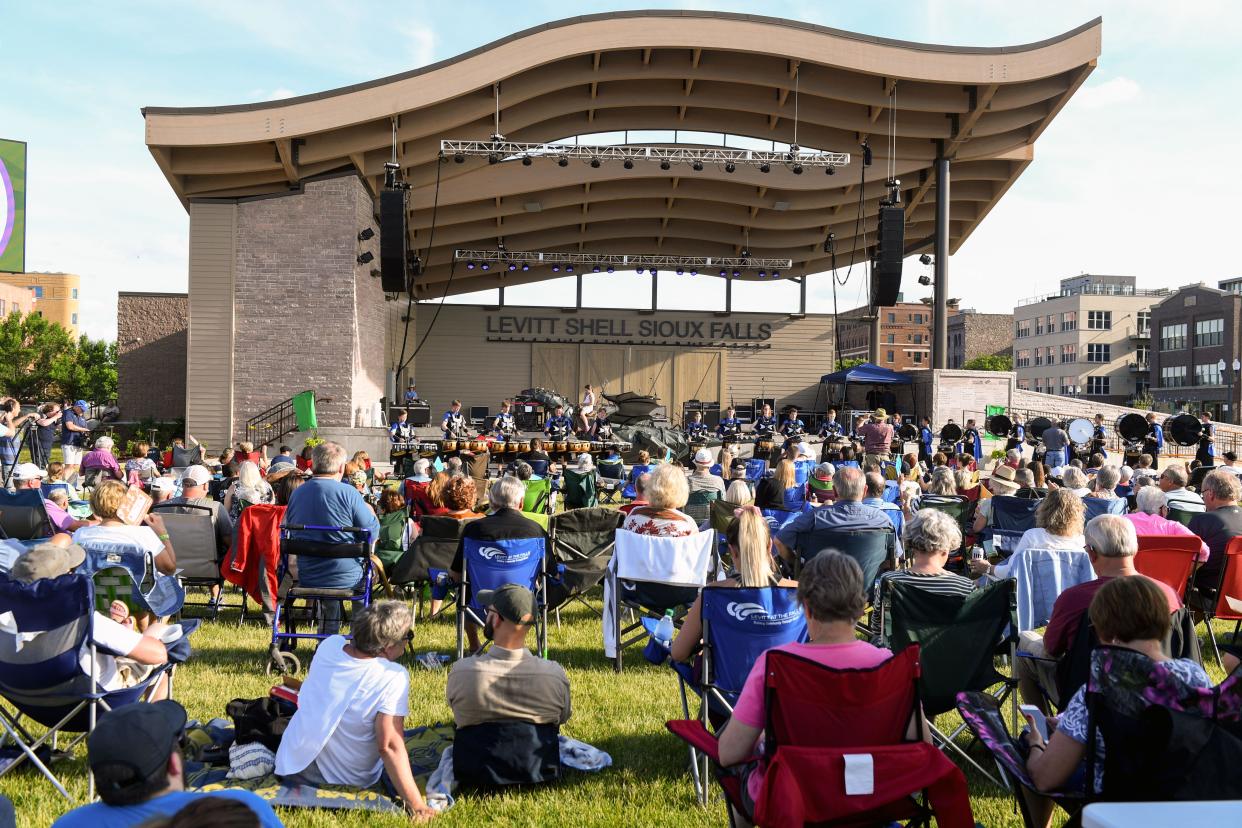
525,266
512,266
628,164
655,272
595,268
556,268
365,234
611,269
639,271
723,272
730,167
486,266
694,271
562,162
469,265
459,158
925,280
500,149
697,166
763,274
366,258
595,163
569,268
680,271
830,171
665,165
797,169
745,254
765,167
925,259
776,274
526,161
737,273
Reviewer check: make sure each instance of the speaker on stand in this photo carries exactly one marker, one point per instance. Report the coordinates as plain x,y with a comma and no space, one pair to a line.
889,253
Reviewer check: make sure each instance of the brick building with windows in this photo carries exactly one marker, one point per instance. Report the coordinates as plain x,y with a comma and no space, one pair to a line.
1195,330
973,334
55,295
1090,339
905,334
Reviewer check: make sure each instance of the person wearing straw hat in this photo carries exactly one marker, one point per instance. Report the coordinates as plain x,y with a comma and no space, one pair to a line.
1002,483
701,477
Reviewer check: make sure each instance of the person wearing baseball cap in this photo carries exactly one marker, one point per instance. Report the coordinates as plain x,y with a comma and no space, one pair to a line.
504,686
702,479
135,756
195,492
162,488
73,434
30,476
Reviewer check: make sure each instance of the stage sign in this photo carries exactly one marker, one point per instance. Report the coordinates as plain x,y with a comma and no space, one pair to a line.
12,206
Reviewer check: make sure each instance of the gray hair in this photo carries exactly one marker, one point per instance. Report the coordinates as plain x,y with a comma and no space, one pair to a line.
875,484
524,470
328,458
104,442
962,479
453,466
1074,478
1107,478
831,586
421,465
1024,477
640,482
931,532
1126,474
848,482
1150,499
382,625
1222,485
1013,454
507,493
1176,475
1112,536
942,482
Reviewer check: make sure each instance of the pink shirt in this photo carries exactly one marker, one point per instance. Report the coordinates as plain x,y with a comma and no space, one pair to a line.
853,655
1145,524
877,438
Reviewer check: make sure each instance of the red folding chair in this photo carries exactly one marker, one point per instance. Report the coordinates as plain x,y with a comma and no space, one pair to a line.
1228,600
816,717
1168,558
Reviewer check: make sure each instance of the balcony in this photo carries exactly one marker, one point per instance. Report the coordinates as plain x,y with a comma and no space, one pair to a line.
1139,367
1141,335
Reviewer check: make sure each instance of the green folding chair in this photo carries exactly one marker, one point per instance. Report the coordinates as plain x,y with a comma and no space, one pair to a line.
538,496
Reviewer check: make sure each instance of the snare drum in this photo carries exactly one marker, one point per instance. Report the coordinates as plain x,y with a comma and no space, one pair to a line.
523,445
560,445
448,445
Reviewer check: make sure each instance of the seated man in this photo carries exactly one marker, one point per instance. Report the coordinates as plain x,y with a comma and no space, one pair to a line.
162,489
506,522
194,492
30,476
135,756
504,686
349,726
326,501
640,493
1112,545
1218,525
1173,481
874,492
846,513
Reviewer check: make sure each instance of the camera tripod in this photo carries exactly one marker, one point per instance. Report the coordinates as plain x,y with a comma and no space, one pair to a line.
26,438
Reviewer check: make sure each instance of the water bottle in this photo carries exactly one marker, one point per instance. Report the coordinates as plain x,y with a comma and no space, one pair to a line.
664,630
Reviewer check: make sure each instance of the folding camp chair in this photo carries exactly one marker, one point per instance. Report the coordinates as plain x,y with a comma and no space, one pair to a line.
777,518
582,544
579,489
1093,507
1182,516
958,638
871,548
1168,558
193,535
636,471
961,510
611,479
756,470
538,496
739,624
699,504
48,628
650,575
360,548
1011,517
491,564
417,499
1041,575
124,571
254,558
23,515
802,471
817,720
430,555
1225,602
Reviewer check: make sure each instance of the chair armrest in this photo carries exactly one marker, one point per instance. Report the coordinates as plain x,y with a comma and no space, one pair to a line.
696,735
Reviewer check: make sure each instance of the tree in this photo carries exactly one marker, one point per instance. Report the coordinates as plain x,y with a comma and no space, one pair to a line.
990,362
91,373
847,364
32,352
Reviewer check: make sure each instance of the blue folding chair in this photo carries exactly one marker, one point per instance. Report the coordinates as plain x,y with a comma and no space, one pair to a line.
739,624
756,470
777,518
892,491
802,471
539,468
1011,517
49,627
124,571
611,478
637,471
1093,507
23,515
490,564
303,547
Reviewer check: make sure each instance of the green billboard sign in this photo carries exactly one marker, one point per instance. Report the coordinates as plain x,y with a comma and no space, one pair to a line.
12,206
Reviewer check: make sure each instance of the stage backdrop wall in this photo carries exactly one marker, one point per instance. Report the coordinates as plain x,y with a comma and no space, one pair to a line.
481,355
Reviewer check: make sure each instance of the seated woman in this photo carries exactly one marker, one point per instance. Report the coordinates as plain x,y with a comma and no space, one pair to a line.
1130,612
830,588
928,538
1058,526
967,485
349,726
666,491
780,491
100,464
397,529
941,490
1002,483
152,537
435,493
1074,480
1104,484
460,496
248,489
139,468
750,546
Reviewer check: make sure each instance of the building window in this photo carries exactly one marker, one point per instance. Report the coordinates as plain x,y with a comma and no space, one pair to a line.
38,291
890,356
1173,337
892,319
1069,353
918,357
1039,326
918,339
1025,385
1097,385
1024,328
1069,321
918,319
892,339
1209,332
1099,320
1099,352
1144,322
1023,359
74,293
1039,356
73,319
1172,376
1052,323
1067,385
1208,374
1039,387
1051,356
1141,386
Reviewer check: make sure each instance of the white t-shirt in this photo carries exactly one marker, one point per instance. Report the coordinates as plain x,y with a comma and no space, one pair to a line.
143,536
119,639
335,722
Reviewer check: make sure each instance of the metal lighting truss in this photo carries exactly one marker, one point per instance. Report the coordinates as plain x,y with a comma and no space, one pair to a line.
508,150
622,261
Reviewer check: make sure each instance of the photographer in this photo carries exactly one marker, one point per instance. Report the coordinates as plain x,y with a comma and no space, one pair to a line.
11,419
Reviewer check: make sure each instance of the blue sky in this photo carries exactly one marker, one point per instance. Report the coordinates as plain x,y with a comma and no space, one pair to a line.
1127,179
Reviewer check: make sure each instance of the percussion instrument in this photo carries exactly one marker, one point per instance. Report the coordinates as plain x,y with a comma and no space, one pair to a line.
523,445
448,445
510,446
1035,429
998,425
1132,427
950,433
1184,429
596,446
561,445
1080,431
764,445
908,432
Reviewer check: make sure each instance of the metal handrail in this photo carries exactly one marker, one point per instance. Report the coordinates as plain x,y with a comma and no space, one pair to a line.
274,423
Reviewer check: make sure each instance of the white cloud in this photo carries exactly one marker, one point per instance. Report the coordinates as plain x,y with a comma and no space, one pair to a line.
1119,90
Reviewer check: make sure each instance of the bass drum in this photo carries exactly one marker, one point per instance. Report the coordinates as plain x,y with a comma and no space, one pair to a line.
1035,429
1080,430
1184,429
951,433
908,432
1132,427
998,425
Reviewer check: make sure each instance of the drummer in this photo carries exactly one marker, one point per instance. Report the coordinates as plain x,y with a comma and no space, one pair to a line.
1153,443
696,430
829,428
504,427
1055,442
765,423
791,426
1206,452
1099,438
971,443
1017,434
601,427
453,423
926,439
411,394
729,426
558,426
400,433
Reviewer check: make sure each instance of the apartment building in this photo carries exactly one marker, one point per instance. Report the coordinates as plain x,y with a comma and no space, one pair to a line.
905,334
1197,337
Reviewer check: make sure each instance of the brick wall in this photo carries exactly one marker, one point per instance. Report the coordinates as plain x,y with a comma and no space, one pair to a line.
974,335
151,333
304,307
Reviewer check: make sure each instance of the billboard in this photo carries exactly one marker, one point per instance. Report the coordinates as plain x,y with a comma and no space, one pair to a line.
12,206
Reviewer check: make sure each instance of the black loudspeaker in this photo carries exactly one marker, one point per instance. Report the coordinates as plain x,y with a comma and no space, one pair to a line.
420,413
711,414
760,402
392,241
889,252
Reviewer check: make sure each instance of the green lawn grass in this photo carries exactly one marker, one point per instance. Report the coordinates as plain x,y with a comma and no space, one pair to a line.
648,783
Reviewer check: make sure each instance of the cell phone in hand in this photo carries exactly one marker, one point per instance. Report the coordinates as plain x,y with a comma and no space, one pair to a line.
1036,719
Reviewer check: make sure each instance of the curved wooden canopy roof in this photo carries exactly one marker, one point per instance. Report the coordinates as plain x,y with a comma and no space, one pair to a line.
652,70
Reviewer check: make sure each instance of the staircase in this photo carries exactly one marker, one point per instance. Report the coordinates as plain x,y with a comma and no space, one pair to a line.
268,427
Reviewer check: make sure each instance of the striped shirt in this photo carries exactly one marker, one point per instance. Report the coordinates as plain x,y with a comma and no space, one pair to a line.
943,583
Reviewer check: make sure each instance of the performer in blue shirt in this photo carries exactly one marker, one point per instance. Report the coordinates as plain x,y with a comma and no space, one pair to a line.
971,444
1206,453
695,429
411,395
927,439
1153,443
1017,434
1099,439
601,426
729,426
504,427
830,428
765,423
791,426
558,425
400,433
453,423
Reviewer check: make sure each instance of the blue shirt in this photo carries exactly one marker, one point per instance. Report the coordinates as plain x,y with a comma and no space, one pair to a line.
322,501
845,515
101,815
829,427
72,438
765,424
558,426
411,396
792,428
694,429
728,426
891,510
282,458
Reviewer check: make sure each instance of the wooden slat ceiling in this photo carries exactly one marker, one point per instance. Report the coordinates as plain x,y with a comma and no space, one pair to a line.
690,71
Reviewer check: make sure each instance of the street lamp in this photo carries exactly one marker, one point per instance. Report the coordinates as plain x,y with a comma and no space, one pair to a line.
1227,376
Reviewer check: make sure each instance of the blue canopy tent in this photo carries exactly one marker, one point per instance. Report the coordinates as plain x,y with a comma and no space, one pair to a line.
868,374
